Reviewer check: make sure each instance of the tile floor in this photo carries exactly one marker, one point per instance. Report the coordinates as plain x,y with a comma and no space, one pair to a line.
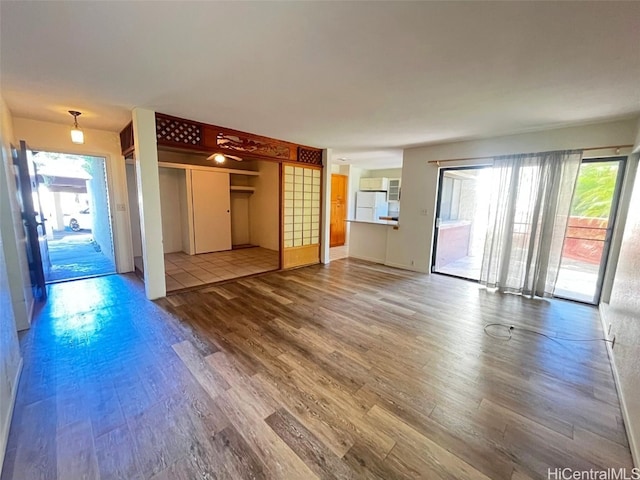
184,270
465,267
76,255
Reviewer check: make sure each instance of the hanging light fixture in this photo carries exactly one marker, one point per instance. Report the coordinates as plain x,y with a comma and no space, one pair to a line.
77,135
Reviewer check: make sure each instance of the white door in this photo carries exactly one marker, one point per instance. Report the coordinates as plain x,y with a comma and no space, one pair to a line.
211,211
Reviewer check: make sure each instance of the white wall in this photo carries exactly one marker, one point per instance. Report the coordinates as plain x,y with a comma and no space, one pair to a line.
355,173
264,207
369,242
410,246
132,195
54,137
240,224
12,230
100,208
10,360
146,156
623,313
170,201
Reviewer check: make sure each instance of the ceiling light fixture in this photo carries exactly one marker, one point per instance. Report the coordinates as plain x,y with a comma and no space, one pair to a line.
219,158
77,135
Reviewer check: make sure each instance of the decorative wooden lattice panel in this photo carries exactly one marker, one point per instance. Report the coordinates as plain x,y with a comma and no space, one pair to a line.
178,131
126,139
306,155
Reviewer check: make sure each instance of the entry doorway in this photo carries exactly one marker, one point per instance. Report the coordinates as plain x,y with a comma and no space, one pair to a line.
74,207
461,221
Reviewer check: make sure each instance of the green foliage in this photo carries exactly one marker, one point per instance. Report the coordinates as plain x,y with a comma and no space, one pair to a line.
594,190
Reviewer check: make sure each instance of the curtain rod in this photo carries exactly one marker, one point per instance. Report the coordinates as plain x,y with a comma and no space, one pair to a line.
617,147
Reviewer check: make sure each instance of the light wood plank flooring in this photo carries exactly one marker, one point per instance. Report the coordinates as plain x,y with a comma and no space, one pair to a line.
351,370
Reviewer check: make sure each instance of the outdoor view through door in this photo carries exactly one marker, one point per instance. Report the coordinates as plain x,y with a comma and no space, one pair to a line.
75,205
464,199
586,243
463,205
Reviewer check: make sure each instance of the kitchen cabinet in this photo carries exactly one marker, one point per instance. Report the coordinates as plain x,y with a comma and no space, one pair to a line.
374,184
394,190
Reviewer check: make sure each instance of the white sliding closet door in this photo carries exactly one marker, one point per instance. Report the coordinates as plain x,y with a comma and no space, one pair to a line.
211,211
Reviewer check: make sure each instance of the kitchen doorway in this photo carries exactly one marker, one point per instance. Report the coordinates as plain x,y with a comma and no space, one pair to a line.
588,236
461,221
74,199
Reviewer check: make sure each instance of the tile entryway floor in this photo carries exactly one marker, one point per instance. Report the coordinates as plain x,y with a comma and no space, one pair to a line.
76,255
182,270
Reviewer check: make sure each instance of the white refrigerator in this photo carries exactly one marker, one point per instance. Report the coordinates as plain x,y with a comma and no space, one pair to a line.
370,206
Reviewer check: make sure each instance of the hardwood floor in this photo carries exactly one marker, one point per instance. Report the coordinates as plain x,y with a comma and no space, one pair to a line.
351,370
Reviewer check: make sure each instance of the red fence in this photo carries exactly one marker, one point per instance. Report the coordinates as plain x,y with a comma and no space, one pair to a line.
585,239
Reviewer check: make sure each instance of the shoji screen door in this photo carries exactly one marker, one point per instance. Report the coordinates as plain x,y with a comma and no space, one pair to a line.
301,215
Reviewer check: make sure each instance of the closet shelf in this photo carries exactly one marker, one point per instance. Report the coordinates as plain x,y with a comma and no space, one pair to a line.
187,166
242,188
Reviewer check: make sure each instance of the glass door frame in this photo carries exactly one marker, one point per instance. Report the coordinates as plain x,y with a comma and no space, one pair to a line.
436,220
613,214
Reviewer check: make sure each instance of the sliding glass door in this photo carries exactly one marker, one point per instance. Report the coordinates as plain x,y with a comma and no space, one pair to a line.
586,244
461,221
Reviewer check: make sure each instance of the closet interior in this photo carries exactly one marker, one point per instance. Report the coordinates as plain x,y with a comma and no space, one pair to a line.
218,223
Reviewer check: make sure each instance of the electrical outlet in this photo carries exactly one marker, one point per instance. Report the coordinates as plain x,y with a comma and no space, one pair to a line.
424,212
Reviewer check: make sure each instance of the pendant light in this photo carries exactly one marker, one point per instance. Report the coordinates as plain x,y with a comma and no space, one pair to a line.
77,135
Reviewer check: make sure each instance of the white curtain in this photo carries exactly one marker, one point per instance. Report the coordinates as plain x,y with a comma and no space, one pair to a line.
530,207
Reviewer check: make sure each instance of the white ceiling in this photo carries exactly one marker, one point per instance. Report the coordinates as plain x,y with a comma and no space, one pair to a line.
346,75
371,159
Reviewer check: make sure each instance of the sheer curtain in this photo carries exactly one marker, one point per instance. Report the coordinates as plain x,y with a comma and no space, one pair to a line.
530,206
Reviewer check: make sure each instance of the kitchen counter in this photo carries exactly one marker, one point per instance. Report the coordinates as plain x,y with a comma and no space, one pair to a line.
368,240
393,223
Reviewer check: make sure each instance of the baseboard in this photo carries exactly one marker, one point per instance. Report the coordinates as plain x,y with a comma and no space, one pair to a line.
634,444
368,259
7,426
402,266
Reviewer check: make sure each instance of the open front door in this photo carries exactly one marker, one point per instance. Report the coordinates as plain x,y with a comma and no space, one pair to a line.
33,219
